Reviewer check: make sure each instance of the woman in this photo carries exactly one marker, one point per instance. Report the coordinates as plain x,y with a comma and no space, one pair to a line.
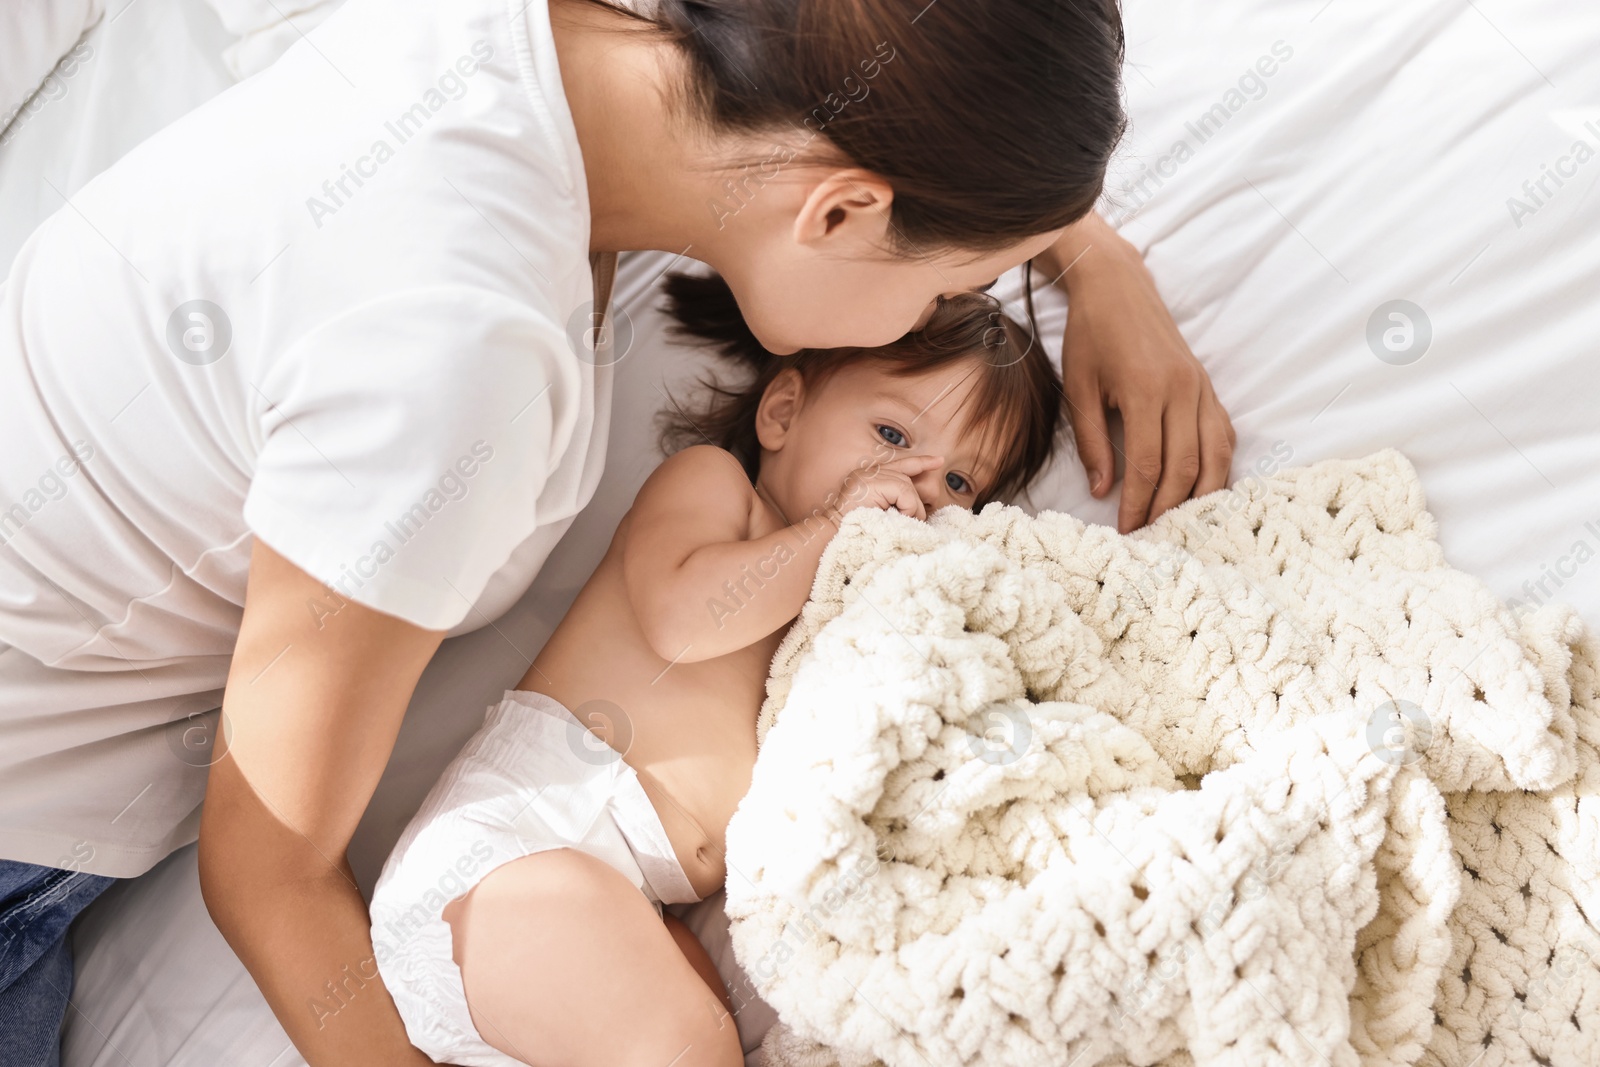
296,389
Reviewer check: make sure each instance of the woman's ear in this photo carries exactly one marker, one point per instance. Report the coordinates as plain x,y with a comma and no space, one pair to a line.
852,204
780,403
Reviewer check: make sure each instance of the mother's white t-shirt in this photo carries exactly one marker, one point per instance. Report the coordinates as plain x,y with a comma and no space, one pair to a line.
342,308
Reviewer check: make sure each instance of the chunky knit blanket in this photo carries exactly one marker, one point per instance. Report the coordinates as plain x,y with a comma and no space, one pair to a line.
1267,782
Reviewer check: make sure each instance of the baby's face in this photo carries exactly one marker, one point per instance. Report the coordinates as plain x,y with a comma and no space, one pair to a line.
863,417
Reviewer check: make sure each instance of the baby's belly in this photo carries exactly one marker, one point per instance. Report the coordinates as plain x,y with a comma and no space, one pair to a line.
695,778
688,728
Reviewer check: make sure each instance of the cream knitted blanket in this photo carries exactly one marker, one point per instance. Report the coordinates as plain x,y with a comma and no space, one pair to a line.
1267,782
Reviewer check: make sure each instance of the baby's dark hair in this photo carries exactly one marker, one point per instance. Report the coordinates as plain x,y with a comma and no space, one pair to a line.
1020,395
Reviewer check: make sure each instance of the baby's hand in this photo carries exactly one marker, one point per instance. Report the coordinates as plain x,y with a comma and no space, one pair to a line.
887,486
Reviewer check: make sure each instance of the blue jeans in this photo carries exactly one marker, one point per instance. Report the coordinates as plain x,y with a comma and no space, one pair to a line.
37,904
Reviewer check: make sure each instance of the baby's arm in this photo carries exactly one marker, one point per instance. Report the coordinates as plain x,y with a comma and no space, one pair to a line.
689,540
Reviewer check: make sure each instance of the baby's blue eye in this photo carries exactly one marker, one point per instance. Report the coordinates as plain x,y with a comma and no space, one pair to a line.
957,483
893,436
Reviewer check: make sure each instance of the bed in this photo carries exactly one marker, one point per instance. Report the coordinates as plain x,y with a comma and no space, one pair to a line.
1373,222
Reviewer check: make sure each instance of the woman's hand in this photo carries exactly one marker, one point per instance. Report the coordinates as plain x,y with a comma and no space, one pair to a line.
1122,350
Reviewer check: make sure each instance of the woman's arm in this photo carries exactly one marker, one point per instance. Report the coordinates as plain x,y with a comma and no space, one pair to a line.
316,692
1122,350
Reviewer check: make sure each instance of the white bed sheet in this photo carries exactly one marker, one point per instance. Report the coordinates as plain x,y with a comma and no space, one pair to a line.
148,63
1378,166
34,35
1374,164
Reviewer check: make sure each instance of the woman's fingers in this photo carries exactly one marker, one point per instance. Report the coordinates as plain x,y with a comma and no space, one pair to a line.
1217,439
1087,413
1180,460
1181,447
1142,450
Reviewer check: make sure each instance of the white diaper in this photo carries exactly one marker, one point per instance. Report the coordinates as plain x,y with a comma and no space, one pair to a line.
534,778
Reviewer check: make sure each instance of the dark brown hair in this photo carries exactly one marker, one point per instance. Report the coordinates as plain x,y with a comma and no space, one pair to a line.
992,121
1019,395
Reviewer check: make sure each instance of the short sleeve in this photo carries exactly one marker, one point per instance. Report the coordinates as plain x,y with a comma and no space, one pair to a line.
403,446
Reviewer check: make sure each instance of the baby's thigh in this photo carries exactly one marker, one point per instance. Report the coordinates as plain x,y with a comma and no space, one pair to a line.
566,964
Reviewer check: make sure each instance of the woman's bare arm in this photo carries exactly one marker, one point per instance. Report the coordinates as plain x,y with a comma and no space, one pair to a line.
315,695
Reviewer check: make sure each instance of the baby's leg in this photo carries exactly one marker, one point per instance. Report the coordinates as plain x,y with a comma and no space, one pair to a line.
698,957
566,964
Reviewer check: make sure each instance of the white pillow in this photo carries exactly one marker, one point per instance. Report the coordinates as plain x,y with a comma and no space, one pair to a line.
35,35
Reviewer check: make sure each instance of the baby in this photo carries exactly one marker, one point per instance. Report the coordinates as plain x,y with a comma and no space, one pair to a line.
519,919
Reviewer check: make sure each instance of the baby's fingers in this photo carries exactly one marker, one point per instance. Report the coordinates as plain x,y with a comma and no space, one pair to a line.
895,491
909,502
911,466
